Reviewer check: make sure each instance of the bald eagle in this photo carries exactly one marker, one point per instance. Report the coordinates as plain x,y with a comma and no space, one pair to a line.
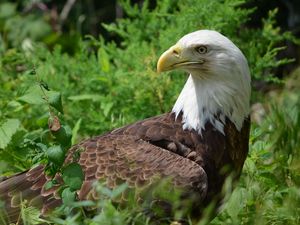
203,140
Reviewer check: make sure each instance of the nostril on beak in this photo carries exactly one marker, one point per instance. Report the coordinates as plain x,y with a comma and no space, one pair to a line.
176,52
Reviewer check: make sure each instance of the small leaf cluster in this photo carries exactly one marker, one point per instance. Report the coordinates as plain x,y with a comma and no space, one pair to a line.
53,144
71,173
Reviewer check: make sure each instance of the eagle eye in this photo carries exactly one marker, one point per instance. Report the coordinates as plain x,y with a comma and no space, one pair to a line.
201,49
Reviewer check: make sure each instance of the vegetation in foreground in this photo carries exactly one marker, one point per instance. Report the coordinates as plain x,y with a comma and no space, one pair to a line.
104,85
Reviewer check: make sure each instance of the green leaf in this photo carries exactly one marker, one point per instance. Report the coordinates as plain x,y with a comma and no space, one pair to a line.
119,190
235,204
56,154
75,131
68,196
106,107
49,185
33,96
36,96
73,176
7,130
31,215
55,101
15,106
63,135
103,59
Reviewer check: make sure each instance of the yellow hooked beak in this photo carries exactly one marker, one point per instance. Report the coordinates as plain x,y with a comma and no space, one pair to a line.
169,59
173,58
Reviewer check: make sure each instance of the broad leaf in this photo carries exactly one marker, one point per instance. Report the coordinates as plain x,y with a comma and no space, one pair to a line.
36,95
68,196
56,154
54,99
73,176
33,95
63,135
7,130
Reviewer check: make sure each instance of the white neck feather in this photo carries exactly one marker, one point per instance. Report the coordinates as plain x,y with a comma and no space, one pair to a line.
205,100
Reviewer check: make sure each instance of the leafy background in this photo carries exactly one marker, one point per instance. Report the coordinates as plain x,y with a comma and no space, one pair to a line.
94,76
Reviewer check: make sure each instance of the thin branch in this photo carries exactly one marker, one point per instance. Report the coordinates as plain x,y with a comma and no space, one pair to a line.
65,11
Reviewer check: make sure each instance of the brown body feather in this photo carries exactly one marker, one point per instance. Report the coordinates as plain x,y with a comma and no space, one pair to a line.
138,153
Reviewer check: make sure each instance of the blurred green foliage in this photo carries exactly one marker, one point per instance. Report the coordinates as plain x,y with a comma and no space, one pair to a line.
17,29
103,85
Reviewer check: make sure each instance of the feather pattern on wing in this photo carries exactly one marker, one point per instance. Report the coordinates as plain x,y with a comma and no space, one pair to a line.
137,154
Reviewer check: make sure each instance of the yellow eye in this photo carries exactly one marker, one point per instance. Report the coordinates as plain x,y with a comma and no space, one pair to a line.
201,49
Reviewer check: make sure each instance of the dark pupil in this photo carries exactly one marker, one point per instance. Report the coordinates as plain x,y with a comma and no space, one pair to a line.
201,49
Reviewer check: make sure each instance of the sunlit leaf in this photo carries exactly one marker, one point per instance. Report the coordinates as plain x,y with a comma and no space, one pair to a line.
7,130
38,95
103,59
33,95
75,131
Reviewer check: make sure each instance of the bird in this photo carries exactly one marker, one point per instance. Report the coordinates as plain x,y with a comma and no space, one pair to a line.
198,144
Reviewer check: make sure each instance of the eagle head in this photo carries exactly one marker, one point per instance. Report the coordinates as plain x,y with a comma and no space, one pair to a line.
219,82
